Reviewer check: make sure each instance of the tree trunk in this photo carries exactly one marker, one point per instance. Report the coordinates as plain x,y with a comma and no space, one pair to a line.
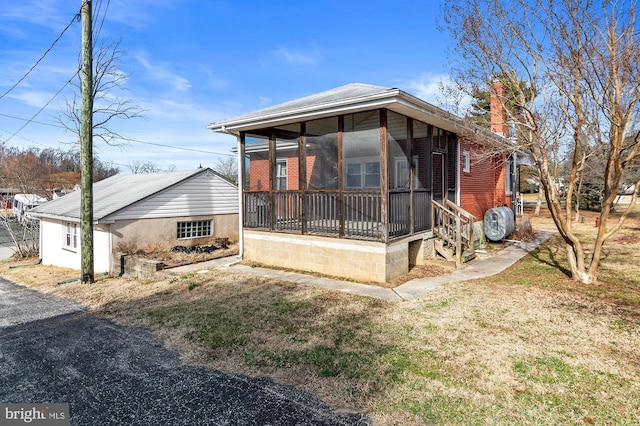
538,204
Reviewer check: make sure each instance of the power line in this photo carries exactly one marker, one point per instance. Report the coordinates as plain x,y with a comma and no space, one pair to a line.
32,121
29,121
42,57
104,15
41,109
183,148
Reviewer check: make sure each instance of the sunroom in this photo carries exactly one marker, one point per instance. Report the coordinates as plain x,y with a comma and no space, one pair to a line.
342,182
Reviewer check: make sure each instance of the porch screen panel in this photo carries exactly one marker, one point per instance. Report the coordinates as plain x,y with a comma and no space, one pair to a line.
286,173
321,142
286,199
361,151
257,206
321,196
361,201
256,162
399,165
421,152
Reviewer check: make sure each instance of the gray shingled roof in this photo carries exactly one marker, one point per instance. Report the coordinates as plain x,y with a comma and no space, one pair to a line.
346,94
352,98
113,194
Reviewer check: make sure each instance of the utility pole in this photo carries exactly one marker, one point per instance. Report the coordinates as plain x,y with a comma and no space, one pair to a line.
86,146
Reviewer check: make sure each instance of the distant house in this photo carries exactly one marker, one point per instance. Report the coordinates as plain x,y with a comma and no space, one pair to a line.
22,203
6,197
360,181
140,212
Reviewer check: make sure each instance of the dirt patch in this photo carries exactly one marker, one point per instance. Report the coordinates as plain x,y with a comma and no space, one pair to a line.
172,259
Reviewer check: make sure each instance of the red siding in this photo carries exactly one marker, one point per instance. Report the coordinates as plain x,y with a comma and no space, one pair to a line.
259,175
483,187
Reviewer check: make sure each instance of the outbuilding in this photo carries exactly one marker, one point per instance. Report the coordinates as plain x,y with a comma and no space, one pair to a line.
132,212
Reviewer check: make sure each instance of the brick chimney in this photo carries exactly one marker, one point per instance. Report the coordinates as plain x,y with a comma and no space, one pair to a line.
498,112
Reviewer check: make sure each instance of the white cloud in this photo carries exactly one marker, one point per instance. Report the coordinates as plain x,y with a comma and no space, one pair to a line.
162,73
263,101
34,98
46,13
299,56
137,14
428,87
439,90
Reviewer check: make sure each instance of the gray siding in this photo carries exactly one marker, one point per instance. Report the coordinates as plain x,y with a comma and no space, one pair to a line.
203,194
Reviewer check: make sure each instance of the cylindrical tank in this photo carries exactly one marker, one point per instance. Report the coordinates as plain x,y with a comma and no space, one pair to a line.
499,223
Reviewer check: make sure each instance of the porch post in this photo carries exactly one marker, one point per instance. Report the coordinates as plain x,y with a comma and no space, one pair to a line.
384,187
272,165
340,177
411,174
302,176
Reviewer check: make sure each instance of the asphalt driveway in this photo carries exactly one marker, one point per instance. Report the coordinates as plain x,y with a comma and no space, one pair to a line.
53,351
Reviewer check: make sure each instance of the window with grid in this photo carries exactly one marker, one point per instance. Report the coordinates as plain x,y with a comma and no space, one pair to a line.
196,229
71,236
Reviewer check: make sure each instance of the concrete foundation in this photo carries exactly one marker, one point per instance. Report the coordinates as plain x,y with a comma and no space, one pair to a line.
139,267
351,259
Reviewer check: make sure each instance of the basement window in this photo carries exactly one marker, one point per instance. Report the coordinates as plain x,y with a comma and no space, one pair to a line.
195,229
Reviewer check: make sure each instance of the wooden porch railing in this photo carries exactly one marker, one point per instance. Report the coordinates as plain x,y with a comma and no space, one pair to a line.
453,226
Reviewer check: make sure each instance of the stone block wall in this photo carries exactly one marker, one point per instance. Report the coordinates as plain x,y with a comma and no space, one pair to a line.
352,259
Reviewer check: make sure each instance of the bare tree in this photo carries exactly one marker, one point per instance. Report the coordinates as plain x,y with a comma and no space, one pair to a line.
110,103
136,167
580,62
227,167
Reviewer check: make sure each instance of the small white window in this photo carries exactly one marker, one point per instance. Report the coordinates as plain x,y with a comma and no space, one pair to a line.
70,239
281,174
466,162
196,229
402,173
363,173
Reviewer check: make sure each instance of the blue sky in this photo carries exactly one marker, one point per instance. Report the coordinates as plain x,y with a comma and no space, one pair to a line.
195,62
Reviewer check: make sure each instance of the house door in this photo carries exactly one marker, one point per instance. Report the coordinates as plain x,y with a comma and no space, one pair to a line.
437,177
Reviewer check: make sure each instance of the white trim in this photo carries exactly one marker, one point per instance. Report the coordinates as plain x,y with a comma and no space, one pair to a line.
240,158
70,231
278,175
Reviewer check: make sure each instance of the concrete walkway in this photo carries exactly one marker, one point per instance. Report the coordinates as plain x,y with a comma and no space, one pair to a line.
410,290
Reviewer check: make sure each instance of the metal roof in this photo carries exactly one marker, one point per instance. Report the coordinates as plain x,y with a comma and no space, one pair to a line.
113,194
352,98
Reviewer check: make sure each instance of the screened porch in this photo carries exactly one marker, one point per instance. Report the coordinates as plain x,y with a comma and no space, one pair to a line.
368,175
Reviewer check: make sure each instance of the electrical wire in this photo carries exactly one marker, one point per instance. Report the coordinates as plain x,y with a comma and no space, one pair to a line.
183,148
76,16
104,15
41,109
32,121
